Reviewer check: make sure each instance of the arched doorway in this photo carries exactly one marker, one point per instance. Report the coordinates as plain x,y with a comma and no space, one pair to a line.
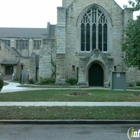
96,75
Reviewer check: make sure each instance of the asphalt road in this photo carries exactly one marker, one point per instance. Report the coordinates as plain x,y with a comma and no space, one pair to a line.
65,132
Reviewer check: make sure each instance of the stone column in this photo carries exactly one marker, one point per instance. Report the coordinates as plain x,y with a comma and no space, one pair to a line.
82,80
31,43
61,44
45,67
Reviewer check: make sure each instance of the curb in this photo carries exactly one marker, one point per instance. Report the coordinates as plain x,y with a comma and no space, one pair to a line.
63,122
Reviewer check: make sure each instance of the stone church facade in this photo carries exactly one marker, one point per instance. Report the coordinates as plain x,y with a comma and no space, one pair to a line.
88,42
85,44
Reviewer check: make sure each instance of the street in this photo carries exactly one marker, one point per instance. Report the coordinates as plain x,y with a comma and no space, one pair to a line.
65,132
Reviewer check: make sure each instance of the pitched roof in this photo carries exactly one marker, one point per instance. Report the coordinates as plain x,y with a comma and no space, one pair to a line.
22,32
9,61
12,50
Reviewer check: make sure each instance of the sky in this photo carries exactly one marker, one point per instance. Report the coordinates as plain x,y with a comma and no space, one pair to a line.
31,13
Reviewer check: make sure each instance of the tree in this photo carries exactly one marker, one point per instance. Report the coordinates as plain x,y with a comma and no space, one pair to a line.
131,43
133,4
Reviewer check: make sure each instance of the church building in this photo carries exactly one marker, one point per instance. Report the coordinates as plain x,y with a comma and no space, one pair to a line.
85,44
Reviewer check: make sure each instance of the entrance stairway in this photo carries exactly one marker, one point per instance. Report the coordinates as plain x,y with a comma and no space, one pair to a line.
7,77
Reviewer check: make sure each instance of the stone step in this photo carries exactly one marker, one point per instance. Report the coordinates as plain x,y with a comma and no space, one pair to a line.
7,77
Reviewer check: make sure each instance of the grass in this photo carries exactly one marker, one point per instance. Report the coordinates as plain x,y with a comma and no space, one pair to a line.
5,83
21,113
63,95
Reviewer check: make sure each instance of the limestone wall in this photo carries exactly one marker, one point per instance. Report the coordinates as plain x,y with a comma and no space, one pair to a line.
66,3
24,52
72,30
28,63
47,55
5,53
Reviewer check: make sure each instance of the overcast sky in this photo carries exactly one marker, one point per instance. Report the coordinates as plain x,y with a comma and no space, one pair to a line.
31,13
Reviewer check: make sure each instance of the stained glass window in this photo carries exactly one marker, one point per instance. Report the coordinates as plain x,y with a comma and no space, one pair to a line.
94,30
87,37
82,37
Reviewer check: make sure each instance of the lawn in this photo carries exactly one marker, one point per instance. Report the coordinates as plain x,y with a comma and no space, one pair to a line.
5,83
33,113
64,95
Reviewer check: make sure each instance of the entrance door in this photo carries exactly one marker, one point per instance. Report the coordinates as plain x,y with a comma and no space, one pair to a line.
96,75
8,70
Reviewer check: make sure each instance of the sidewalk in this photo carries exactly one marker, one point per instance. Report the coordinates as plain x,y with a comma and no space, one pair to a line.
71,104
12,87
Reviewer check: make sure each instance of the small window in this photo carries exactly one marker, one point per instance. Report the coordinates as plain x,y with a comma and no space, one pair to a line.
37,44
6,42
22,44
73,68
115,68
21,66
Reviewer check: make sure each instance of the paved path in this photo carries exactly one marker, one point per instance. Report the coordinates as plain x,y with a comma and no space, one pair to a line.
133,104
13,87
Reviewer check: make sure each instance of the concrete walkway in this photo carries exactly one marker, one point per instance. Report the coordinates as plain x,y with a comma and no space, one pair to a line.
13,87
70,104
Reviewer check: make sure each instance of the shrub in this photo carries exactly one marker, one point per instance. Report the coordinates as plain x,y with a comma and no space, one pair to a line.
138,83
47,81
71,81
131,85
1,83
31,81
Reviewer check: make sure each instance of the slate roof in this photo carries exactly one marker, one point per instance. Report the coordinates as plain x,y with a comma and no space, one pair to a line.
28,32
9,61
22,32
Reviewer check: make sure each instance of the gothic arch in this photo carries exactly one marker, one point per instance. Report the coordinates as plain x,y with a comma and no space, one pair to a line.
96,73
94,29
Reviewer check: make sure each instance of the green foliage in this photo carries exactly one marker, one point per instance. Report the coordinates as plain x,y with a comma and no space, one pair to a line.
47,81
1,83
130,85
131,43
133,4
31,81
138,83
71,81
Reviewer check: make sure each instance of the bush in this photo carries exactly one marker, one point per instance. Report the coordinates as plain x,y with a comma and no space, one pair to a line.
1,83
131,85
71,81
138,83
31,81
47,81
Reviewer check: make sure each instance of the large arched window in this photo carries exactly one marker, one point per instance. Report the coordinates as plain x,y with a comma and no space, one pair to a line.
94,29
